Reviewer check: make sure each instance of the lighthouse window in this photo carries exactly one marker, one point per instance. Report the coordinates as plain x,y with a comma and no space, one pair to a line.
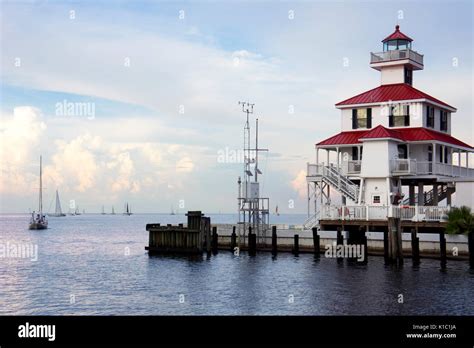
402,151
444,121
430,117
361,118
376,199
408,76
402,44
399,116
392,45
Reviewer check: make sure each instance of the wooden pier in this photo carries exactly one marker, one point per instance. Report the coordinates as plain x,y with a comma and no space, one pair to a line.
197,237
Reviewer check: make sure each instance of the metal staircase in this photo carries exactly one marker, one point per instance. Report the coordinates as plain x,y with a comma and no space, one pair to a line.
429,196
341,183
312,221
331,176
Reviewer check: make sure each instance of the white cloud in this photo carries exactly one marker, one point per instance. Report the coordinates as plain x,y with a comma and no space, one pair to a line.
299,184
20,135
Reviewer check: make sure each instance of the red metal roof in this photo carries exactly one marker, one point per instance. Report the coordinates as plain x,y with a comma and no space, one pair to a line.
382,132
393,92
397,34
344,138
424,134
405,134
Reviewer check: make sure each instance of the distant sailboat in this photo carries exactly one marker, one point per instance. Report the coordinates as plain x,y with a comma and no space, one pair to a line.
172,211
77,212
58,211
113,211
276,211
38,221
128,210
103,210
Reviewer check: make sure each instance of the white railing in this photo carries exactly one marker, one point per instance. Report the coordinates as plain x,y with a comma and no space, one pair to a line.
413,167
403,166
353,167
366,212
387,56
420,213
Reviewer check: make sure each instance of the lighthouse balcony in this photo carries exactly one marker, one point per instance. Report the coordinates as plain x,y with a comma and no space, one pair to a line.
381,58
367,212
400,167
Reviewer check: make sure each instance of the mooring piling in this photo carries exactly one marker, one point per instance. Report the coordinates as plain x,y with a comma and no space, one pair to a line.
415,247
296,246
214,241
385,247
366,253
395,254
252,242
339,241
233,239
442,249
316,241
274,240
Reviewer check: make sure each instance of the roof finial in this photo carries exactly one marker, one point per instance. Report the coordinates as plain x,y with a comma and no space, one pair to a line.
397,27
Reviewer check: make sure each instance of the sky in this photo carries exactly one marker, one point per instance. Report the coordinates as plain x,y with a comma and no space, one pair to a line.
160,84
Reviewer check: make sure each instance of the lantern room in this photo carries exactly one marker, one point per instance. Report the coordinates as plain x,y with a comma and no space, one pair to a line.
397,41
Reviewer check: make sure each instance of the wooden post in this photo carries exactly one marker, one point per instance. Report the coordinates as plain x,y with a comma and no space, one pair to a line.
470,237
415,247
252,242
214,242
233,240
366,252
442,249
296,248
385,247
316,241
274,240
208,238
395,241
339,240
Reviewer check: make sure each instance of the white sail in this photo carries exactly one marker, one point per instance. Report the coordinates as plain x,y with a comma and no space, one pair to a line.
58,211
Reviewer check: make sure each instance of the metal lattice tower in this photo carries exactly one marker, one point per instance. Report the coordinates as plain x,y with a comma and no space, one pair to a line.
253,210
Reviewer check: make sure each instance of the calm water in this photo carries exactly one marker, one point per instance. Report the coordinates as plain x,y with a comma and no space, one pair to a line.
85,258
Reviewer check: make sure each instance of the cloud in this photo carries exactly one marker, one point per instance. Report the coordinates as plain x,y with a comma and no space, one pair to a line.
20,135
75,162
185,165
299,184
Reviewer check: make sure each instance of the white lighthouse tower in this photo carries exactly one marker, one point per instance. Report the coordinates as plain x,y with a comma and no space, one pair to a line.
395,155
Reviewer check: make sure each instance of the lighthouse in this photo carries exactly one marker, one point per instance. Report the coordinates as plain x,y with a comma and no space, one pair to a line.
395,155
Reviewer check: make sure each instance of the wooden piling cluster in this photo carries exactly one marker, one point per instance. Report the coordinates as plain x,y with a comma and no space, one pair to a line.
180,239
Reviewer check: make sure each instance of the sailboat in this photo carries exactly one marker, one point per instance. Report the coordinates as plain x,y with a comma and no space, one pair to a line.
77,212
103,211
276,211
128,210
172,211
113,211
58,211
38,221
